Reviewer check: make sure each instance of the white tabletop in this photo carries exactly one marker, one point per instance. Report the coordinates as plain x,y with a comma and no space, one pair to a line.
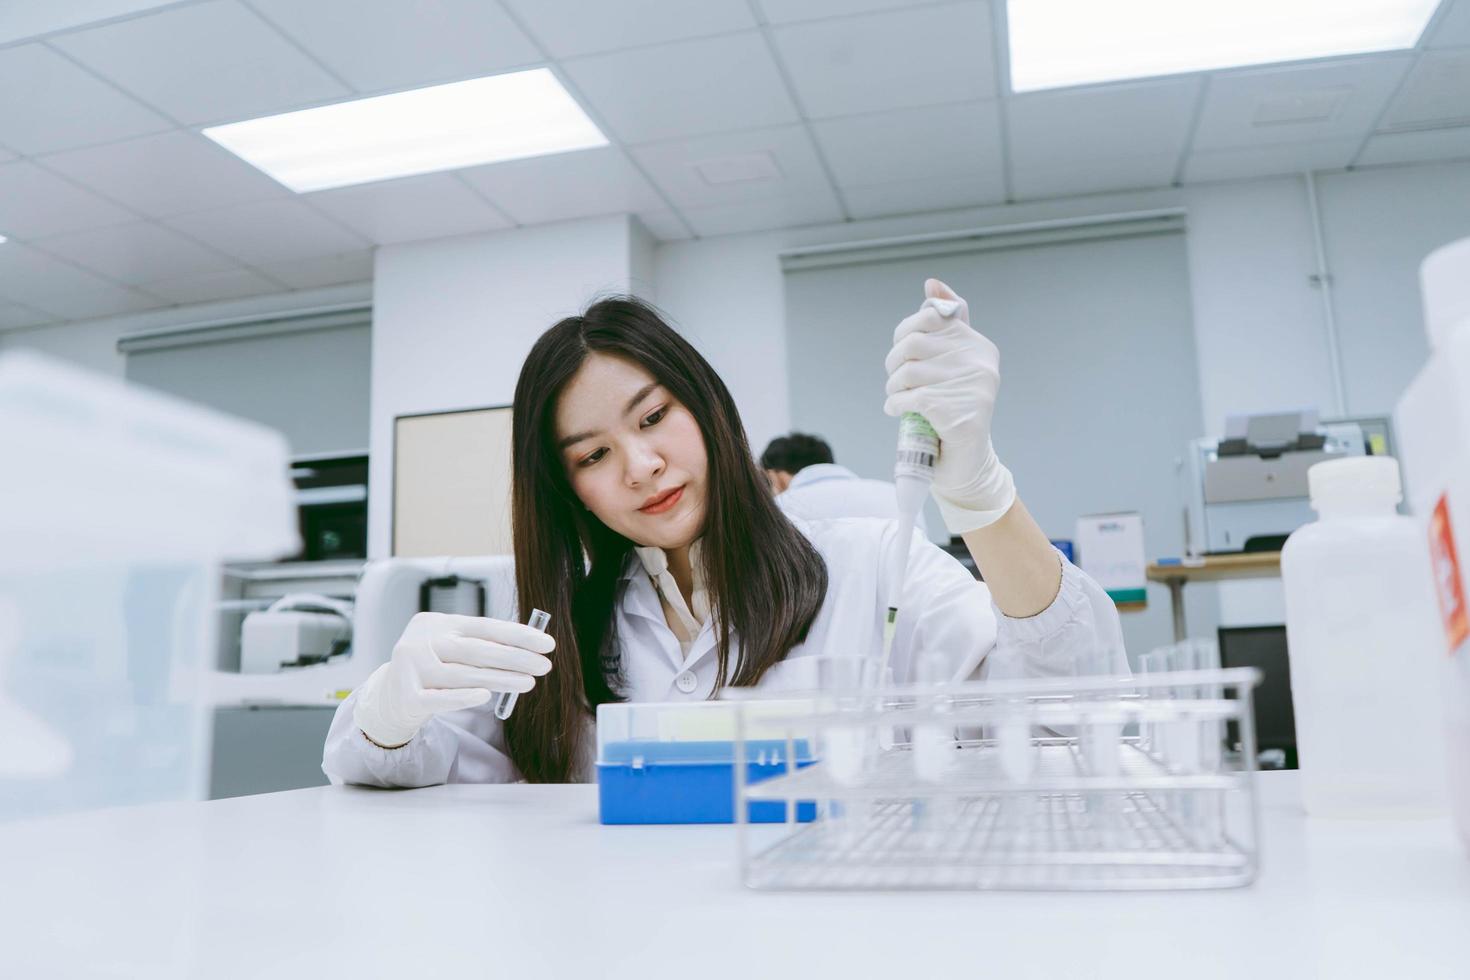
522,881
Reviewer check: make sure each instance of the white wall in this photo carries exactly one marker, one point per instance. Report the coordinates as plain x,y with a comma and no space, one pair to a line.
1095,338
726,295
454,318
1259,327
642,262
93,343
1379,224
1258,322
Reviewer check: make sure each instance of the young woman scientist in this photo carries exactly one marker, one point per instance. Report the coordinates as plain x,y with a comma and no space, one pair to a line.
645,528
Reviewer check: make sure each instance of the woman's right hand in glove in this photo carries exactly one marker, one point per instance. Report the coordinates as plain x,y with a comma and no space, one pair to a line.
444,663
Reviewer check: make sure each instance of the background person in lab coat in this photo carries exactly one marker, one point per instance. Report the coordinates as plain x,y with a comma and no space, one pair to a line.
809,484
643,525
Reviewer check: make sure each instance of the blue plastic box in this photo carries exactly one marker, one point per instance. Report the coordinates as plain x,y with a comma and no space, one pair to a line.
675,763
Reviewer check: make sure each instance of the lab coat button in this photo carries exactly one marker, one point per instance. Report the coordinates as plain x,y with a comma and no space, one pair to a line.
686,682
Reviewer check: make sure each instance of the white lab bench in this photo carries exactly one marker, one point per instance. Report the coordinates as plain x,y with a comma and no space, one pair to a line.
521,881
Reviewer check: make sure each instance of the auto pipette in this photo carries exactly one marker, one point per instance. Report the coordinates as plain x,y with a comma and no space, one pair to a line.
913,474
505,701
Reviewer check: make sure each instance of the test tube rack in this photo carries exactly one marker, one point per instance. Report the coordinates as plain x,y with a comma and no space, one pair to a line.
1078,783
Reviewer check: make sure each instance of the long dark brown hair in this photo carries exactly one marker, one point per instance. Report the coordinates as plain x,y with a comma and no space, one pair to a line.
765,580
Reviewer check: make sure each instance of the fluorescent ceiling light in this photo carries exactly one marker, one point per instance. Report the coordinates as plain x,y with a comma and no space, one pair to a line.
1079,42
463,124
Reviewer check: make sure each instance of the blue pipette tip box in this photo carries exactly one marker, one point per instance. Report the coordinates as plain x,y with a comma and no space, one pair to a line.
675,764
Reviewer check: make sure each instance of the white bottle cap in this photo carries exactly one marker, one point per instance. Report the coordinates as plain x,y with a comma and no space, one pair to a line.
1444,278
1362,479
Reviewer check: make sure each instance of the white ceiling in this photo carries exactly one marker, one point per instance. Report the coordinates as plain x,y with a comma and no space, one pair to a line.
724,116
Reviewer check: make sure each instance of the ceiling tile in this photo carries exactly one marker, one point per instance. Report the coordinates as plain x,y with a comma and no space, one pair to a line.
35,203
1416,147
665,225
901,146
27,275
51,104
410,209
787,212
1275,158
1437,91
326,270
1355,90
686,89
171,173
13,316
214,286
1453,30
567,28
136,253
268,232
204,63
389,44
913,196
566,185
891,60
787,11
1068,177
107,301
675,167
19,21
1084,140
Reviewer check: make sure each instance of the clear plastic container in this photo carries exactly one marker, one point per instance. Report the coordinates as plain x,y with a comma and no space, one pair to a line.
1360,626
675,763
116,509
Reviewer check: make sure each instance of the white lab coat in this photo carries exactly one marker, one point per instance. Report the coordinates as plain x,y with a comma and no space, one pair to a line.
825,490
943,608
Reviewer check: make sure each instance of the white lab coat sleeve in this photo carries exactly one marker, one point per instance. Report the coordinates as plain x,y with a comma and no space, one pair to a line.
456,747
1079,633
943,609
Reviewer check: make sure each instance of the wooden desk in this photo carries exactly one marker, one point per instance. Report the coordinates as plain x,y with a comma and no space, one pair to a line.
1215,568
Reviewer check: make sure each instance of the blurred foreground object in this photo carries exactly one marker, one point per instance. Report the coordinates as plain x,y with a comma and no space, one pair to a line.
1433,417
117,506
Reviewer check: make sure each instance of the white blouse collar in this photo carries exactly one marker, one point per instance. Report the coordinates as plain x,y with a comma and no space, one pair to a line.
692,615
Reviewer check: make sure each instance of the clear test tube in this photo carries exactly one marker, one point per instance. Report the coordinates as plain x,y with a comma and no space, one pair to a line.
505,701
1013,739
1183,737
933,744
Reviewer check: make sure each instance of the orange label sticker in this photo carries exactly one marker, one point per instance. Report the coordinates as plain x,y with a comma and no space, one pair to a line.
1447,581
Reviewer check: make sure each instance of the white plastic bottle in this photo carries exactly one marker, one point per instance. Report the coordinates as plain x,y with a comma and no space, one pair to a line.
1432,422
1362,639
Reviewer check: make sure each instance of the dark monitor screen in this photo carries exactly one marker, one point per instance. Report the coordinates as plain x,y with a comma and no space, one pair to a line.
1264,647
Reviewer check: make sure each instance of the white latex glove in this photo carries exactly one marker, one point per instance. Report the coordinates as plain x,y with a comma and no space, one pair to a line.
948,373
447,663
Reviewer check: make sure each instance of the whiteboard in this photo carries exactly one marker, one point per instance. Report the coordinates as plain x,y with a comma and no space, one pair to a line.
451,483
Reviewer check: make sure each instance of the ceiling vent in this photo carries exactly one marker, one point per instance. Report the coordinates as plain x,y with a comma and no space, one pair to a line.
742,169
1319,105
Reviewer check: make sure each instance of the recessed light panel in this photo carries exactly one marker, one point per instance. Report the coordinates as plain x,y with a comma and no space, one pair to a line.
1055,43
444,127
